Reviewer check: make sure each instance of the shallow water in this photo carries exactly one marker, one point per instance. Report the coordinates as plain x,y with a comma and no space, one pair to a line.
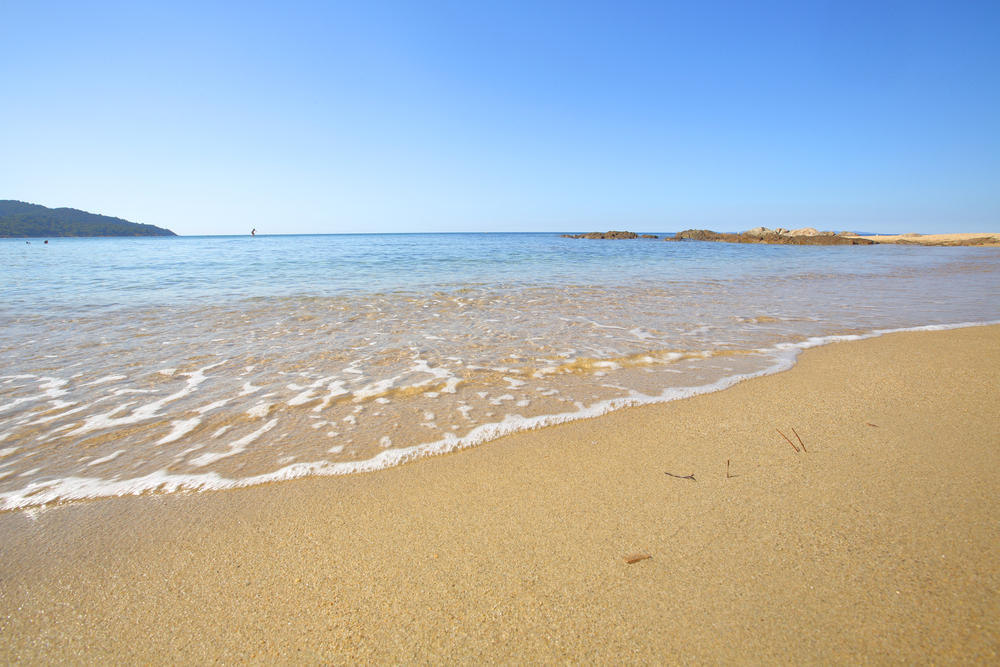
136,365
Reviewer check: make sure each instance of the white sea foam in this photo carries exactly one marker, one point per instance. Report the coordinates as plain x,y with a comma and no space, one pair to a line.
375,388
333,390
145,412
16,402
180,428
79,488
53,387
105,459
235,447
212,406
259,411
249,389
302,398
57,405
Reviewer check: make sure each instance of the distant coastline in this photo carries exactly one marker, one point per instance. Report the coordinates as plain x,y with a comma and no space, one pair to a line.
23,220
808,236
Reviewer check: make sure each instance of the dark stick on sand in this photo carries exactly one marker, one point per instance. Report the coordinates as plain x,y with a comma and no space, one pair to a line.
800,440
789,441
635,558
690,477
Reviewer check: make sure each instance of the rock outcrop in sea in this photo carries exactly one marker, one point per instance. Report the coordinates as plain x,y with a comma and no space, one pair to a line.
803,236
603,235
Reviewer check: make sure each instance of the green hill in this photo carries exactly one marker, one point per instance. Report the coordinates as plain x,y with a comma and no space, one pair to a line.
20,219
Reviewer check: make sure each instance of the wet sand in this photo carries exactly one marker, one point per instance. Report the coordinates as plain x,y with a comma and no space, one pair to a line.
878,544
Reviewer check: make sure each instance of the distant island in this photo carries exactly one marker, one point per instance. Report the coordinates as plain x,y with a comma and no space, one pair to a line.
22,220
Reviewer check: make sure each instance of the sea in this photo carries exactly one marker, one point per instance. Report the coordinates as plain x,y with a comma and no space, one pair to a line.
184,364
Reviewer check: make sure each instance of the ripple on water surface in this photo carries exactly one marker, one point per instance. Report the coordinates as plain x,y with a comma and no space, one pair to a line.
211,396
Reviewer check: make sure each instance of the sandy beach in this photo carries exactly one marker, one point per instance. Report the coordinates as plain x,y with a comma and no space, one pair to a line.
962,239
879,543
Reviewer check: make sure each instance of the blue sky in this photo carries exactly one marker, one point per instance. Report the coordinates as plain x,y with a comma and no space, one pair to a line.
297,117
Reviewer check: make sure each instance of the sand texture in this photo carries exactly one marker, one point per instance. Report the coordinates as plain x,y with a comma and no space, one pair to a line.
976,239
880,543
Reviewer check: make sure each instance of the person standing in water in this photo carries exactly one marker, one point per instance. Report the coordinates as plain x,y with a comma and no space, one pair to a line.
253,232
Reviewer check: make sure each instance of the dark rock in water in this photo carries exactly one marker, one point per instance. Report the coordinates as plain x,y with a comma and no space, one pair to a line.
804,236
602,235
780,236
699,235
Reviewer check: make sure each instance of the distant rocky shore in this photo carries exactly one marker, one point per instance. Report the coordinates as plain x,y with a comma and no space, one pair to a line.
609,235
807,236
804,236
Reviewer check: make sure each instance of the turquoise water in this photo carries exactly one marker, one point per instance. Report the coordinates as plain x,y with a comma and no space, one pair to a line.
103,272
150,365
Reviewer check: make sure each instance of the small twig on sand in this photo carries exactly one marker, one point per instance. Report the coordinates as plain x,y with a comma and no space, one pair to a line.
690,477
871,424
786,438
727,468
800,440
635,558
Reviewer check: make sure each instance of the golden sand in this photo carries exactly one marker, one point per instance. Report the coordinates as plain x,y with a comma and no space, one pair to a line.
978,239
879,543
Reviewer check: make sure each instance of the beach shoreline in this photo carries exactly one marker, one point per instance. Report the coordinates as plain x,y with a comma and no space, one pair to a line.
810,237
876,543
983,239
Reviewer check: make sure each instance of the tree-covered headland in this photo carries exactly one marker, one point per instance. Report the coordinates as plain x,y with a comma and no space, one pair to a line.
23,220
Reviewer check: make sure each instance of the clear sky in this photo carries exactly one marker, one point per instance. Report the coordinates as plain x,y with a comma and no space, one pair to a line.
297,117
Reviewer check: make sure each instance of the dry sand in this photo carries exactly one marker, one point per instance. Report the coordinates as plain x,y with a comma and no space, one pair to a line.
880,544
978,239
